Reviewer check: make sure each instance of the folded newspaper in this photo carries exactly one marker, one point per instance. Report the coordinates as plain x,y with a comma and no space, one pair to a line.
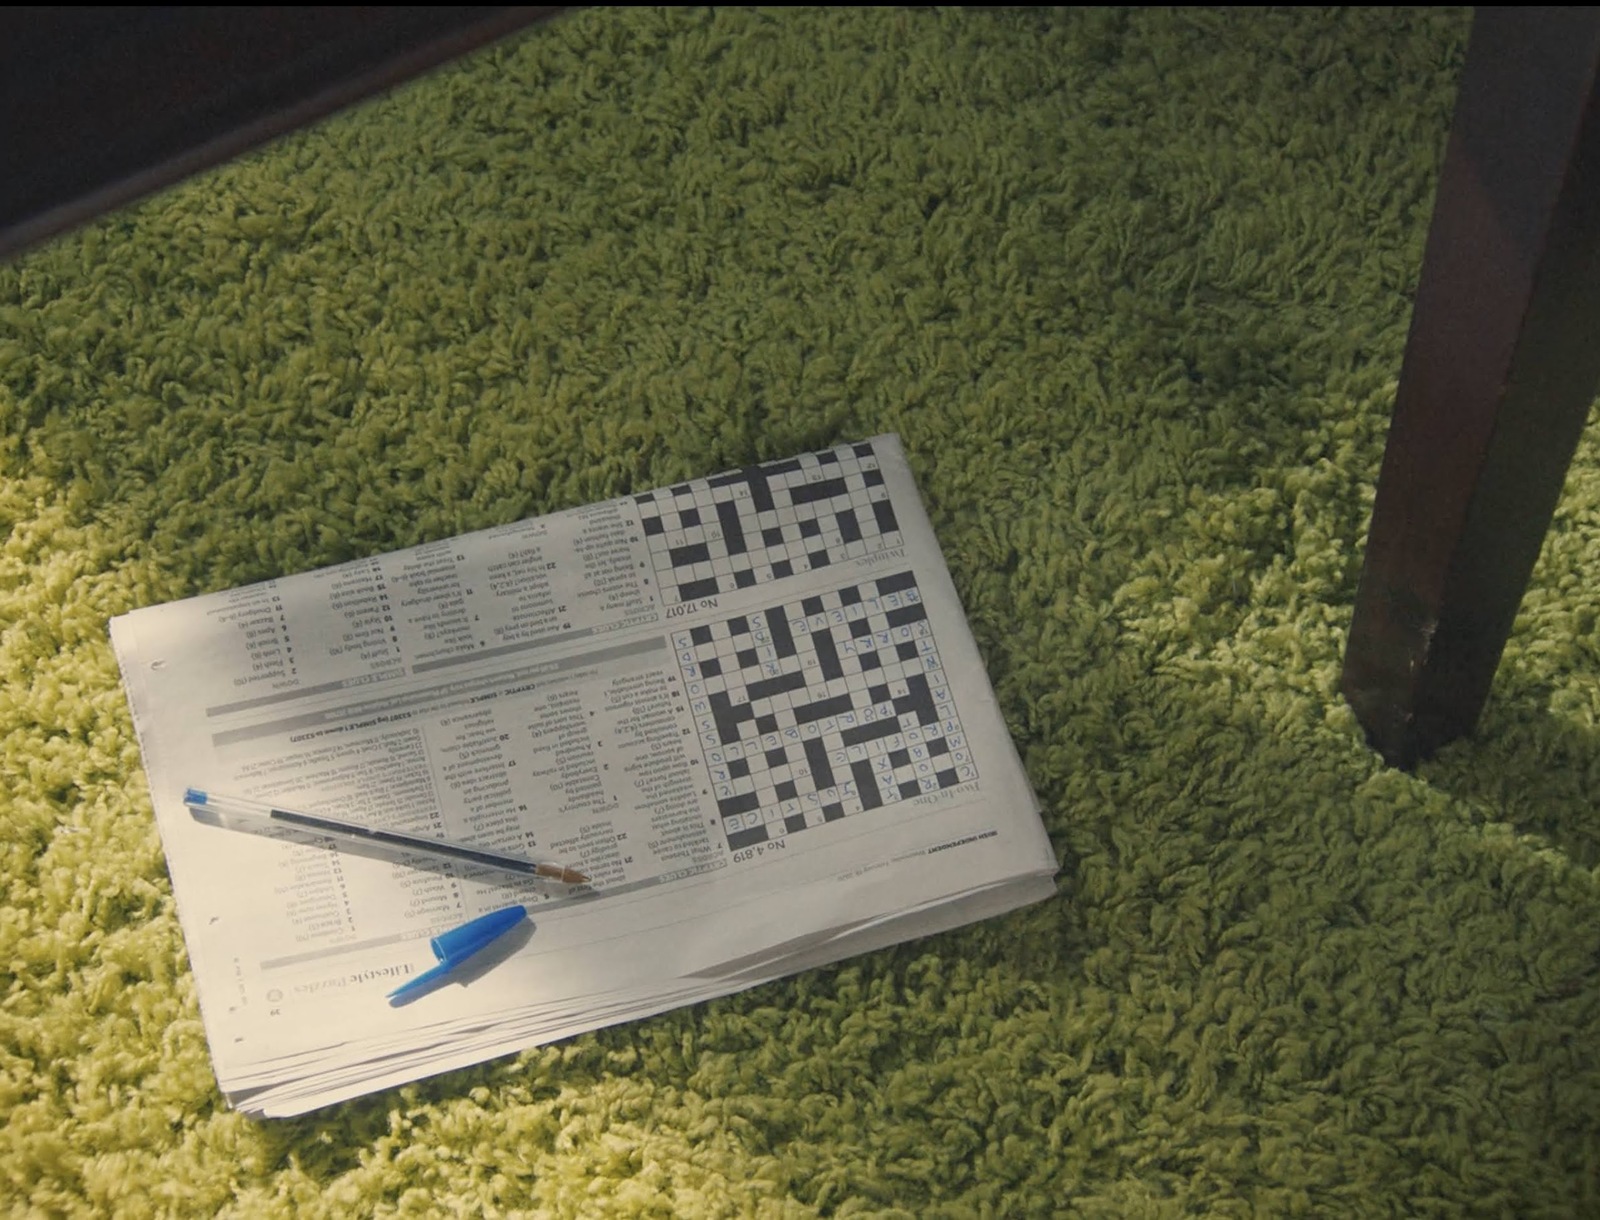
748,708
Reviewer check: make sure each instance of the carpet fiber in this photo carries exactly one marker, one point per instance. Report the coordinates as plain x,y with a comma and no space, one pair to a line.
1133,288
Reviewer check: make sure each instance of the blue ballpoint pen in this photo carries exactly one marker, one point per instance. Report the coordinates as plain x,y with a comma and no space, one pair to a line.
454,947
230,811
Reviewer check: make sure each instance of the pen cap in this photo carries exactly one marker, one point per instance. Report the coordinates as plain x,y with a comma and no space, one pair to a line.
458,944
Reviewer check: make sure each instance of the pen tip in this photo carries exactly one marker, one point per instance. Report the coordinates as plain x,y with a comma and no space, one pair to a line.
562,873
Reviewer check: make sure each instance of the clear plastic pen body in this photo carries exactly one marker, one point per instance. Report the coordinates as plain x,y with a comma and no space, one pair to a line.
213,806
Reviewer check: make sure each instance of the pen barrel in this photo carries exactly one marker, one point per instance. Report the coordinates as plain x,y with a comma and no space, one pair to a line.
266,816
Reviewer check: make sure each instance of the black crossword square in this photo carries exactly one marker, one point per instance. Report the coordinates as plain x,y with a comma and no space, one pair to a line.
909,789
830,458
833,812
777,758
906,651
772,537
711,667
700,635
810,529
819,559
850,596
739,768
861,627
766,724
938,746
878,694
683,489
745,838
744,580
689,517
739,625
781,569
653,526
863,449
746,658
897,583
873,478
786,792
811,605
870,661
948,779
795,822
899,758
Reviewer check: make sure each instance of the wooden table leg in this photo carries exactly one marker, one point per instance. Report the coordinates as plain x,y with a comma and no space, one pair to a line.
1500,369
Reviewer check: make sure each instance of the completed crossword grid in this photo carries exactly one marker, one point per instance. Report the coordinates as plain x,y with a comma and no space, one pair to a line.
814,711
764,523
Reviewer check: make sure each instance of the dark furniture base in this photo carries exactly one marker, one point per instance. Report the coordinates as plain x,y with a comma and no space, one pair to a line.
1500,369
103,105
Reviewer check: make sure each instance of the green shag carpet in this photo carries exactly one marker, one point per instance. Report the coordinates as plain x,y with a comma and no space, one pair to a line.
1133,288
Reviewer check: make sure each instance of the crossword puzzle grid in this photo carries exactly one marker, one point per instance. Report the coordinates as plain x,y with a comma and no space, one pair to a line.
823,708
763,523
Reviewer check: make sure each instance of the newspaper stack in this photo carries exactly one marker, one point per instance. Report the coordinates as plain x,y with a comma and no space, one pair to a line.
748,708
